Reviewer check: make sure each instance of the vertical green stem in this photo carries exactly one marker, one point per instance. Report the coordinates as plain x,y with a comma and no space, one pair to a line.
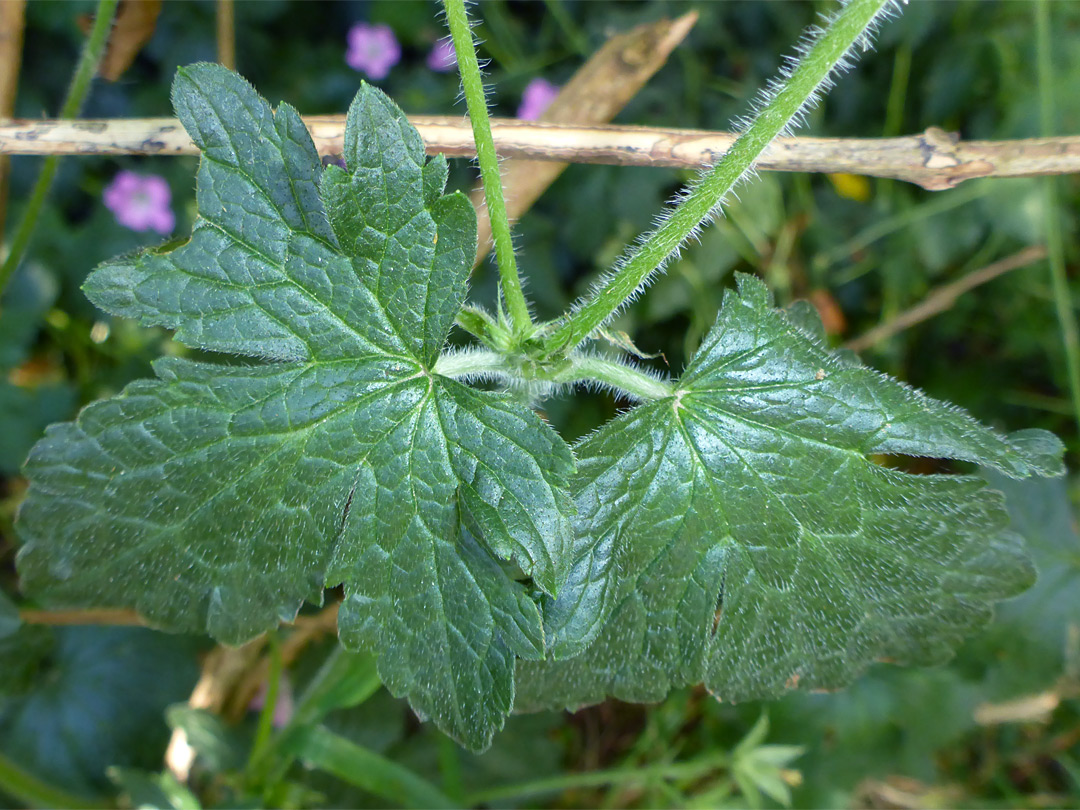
345,679
473,85
80,86
1055,246
828,50
894,114
273,688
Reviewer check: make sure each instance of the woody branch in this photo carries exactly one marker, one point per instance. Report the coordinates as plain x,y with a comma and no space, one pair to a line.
933,159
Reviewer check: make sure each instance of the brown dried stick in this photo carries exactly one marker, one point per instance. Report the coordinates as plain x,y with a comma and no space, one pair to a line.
133,28
942,298
935,159
110,616
12,23
597,93
226,33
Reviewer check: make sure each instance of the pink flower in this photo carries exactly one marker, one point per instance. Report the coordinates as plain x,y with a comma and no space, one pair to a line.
538,95
373,50
284,706
442,58
140,202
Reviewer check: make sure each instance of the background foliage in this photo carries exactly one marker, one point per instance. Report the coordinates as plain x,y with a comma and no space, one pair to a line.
861,250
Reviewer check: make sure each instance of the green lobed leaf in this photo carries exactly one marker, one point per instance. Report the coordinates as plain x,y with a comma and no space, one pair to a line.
740,534
27,410
218,497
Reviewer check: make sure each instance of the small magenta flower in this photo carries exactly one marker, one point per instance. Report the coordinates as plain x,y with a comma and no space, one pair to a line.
538,95
373,50
442,58
140,202
284,707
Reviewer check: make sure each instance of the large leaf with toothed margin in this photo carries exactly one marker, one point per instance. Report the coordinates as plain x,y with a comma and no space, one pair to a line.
218,497
739,533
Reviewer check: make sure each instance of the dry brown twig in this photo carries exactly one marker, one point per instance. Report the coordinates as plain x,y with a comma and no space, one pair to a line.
226,33
942,298
133,28
934,159
12,23
60,618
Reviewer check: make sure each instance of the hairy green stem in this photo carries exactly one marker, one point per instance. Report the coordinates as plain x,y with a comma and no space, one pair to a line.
617,375
80,86
33,792
481,326
470,363
829,49
473,86
613,374
1055,246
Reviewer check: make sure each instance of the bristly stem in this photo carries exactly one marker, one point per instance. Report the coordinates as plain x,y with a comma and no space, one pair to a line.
627,380
780,109
1070,335
474,364
473,86
80,86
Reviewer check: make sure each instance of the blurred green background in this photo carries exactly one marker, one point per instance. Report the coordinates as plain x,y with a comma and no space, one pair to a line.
862,250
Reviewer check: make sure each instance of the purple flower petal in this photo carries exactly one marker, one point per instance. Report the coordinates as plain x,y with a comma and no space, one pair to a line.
284,707
373,50
538,95
442,58
140,202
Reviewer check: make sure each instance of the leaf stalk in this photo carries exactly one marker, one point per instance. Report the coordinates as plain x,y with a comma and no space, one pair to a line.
474,364
780,109
475,98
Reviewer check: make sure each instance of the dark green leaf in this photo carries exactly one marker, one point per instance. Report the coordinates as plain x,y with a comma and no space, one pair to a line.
25,302
219,497
27,412
1027,646
10,622
97,698
738,533
23,649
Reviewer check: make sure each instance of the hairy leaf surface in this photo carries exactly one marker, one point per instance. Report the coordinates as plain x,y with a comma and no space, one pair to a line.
740,534
218,497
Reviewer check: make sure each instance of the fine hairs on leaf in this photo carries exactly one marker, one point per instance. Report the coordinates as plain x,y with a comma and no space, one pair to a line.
822,51
734,528
737,533
218,497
